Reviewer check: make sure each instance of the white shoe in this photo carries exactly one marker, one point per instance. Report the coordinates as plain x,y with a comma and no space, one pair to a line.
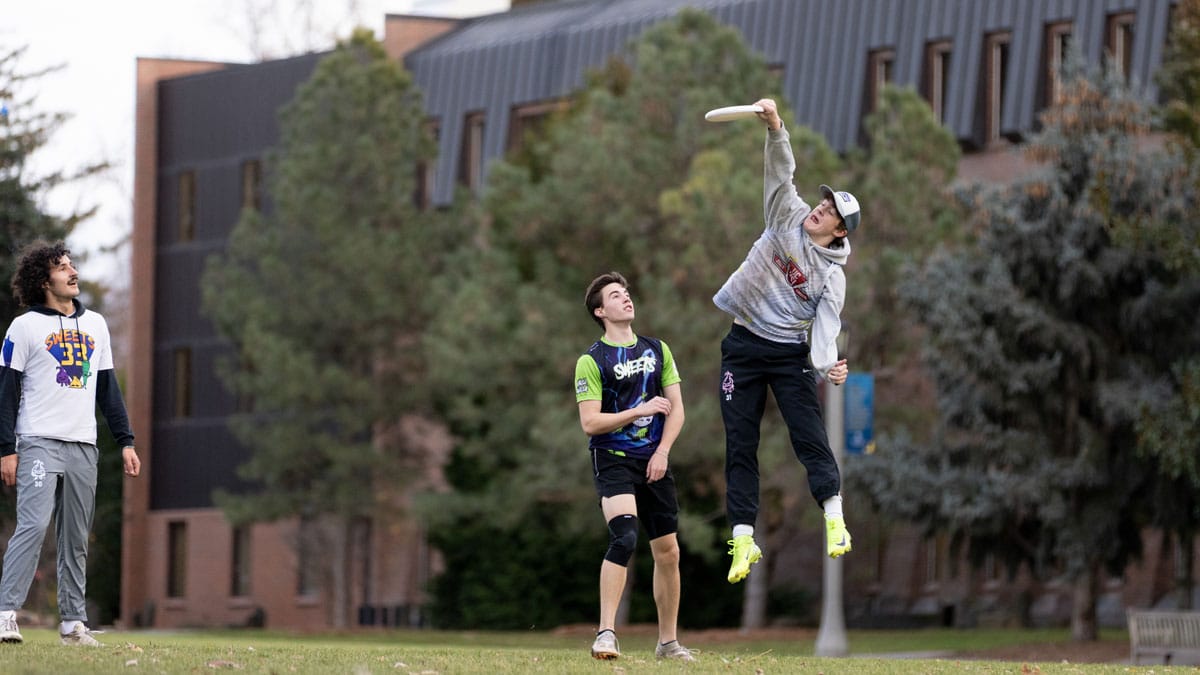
605,647
8,629
80,637
673,650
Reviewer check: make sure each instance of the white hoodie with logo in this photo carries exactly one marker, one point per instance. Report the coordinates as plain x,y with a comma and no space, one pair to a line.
788,289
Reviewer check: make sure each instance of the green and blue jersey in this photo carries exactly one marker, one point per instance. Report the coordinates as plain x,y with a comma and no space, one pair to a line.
622,377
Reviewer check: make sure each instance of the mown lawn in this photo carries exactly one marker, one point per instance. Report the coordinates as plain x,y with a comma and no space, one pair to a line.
428,652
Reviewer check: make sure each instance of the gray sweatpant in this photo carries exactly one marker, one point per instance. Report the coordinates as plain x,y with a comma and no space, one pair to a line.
53,478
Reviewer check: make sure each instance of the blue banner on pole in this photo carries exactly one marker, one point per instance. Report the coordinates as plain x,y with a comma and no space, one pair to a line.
860,413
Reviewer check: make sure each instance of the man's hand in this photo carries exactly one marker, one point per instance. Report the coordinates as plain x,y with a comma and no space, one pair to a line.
770,113
656,405
8,469
133,465
839,372
656,468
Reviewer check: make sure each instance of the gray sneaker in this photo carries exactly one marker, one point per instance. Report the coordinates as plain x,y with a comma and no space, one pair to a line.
605,647
9,631
80,637
673,650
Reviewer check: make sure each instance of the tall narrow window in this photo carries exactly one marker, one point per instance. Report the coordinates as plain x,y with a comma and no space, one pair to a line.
995,71
937,76
187,206
183,382
176,559
530,119
470,171
1118,42
1058,45
427,171
880,71
251,184
240,565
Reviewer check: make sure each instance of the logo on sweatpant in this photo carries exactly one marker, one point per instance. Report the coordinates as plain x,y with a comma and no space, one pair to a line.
38,473
727,385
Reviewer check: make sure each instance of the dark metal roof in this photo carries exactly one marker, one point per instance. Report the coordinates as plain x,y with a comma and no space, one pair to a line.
543,51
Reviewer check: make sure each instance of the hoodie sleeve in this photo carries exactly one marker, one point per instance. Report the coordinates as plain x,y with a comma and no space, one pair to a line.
828,322
10,403
112,406
782,206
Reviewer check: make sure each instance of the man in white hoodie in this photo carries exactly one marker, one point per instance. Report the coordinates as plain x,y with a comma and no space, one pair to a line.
786,301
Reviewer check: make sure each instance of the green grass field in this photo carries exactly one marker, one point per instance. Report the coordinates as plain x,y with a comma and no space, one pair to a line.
429,652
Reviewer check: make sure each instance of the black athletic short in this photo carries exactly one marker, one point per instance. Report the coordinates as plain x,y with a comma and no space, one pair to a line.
657,507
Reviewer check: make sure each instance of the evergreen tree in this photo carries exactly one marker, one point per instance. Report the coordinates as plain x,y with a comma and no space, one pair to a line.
1170,413
632,179
1043,335
23,131
903,180
323,299
1179,77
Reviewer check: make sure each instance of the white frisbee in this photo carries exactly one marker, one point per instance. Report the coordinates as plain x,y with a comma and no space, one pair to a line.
732,112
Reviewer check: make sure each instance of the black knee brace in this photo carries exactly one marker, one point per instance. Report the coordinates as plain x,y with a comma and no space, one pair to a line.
622,539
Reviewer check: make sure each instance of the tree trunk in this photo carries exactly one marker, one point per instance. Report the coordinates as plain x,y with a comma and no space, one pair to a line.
1184,580
754,599
339,573
1083,606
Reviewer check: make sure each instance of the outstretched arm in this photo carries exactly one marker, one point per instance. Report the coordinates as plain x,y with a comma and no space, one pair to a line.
782,206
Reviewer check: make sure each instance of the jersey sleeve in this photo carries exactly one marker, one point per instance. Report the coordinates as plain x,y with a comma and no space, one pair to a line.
587,380
670,374
102,359
15,352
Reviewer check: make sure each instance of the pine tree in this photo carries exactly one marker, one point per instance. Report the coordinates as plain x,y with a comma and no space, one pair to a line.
323,299
632,178
1170,413
25,129
1041,334
903,179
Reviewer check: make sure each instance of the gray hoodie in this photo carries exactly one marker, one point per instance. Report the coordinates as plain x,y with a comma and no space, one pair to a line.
788,289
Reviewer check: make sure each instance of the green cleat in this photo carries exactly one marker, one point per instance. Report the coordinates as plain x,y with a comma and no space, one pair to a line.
745,553
837,538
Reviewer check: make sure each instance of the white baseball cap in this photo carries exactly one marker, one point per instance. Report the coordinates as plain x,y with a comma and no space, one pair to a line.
846,204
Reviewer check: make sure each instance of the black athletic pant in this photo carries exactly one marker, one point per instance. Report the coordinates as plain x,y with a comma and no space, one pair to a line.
750,364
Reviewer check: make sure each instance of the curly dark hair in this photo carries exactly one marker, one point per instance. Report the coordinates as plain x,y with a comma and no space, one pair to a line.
33,271
592,298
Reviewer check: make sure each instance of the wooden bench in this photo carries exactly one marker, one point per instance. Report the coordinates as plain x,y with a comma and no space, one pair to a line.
1170,638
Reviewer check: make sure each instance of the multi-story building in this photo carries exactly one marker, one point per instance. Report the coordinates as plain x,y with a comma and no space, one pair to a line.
987,67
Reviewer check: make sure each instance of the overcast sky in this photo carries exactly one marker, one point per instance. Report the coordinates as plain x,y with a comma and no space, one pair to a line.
97,44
